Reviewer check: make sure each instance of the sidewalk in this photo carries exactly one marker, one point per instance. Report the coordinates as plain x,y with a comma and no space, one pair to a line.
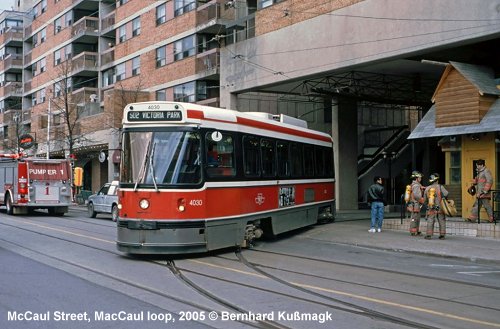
352,228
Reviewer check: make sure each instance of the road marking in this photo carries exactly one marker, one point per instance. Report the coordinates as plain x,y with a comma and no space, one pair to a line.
63,231
478,273
370,299
455,266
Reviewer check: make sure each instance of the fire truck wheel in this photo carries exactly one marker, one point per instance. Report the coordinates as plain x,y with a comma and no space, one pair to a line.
114,213
91,210
8,205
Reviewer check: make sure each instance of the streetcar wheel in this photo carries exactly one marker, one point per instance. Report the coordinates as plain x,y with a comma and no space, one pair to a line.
114,213
91,210
8,205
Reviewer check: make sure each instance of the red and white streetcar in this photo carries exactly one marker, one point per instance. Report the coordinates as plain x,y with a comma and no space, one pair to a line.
196,178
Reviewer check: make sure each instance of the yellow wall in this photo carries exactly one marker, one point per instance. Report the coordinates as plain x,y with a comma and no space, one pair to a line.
484,148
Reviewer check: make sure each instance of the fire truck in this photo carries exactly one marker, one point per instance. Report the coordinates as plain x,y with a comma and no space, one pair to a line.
27,184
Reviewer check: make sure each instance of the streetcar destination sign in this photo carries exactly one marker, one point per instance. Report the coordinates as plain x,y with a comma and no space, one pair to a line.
154,116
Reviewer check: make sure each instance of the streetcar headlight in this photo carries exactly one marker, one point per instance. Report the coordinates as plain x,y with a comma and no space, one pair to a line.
181,204
120,206
144,204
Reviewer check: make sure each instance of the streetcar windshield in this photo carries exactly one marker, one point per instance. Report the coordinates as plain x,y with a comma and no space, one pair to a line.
161,158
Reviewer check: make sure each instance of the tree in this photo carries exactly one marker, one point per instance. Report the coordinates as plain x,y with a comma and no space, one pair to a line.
65,107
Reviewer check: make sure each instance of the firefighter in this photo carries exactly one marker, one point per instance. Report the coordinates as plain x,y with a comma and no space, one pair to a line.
415,202
433,195
482,182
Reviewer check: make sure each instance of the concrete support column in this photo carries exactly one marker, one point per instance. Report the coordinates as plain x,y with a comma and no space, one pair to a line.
345,143
228,100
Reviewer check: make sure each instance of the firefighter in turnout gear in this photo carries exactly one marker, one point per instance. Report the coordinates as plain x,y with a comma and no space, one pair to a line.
483,182
415,202
433,195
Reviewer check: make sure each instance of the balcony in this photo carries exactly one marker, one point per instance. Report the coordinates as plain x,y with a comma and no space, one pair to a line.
85,61
209,12
26,116
108,56
27,58
82,95
208,62
11,62
12,89
85,26
11,34
108,22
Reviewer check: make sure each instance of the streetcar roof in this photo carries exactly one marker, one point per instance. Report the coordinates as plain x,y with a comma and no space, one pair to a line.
174,113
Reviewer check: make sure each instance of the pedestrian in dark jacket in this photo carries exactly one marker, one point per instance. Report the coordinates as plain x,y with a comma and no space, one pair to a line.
376,197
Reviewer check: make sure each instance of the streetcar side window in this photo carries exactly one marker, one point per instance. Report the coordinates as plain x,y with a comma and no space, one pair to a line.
297,160
328,161
309,160
268,150
251,156
283,159
320,162
220,157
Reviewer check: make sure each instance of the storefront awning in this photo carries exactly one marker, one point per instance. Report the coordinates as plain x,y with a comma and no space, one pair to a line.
427,126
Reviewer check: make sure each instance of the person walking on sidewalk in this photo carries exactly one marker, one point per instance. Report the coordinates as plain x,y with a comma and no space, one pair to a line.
433,195
376,197
415,203
483,182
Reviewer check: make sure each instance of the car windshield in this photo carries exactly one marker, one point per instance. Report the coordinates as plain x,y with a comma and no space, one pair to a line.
161,158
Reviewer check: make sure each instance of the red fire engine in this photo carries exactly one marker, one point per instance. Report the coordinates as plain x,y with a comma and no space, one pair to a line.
31,183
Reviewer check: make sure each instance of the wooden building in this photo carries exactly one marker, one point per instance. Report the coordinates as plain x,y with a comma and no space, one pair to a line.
465,122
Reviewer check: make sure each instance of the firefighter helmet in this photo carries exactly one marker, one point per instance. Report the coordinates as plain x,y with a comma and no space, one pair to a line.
434,178
416,174
472,190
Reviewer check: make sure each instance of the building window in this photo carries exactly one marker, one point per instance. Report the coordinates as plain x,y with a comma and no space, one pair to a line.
161,14
57,25
455,171
161,95
68,18
122,2
68,52
43,35
120,72
184,48
57,57
108,78
57,89
122,33
136,66
43,65
185,92
44,6
136,27
184,6
33,69
42,95
161,59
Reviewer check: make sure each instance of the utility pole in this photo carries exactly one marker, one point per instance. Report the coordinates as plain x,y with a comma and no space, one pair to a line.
49,113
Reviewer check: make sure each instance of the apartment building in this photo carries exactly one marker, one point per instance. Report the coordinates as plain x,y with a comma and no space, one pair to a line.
70,66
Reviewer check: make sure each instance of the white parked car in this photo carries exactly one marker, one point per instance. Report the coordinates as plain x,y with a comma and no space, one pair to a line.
104,201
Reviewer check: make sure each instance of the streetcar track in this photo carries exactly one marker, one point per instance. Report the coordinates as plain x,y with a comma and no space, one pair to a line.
363,311
364,267
170,265
369,312
178,273
373,287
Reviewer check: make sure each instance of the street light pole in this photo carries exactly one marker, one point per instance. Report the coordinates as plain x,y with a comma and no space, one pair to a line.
49,113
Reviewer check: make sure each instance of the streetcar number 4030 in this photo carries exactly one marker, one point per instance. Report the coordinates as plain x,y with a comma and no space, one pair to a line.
196,202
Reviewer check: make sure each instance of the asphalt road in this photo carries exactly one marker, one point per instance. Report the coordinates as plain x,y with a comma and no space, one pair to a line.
65,272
